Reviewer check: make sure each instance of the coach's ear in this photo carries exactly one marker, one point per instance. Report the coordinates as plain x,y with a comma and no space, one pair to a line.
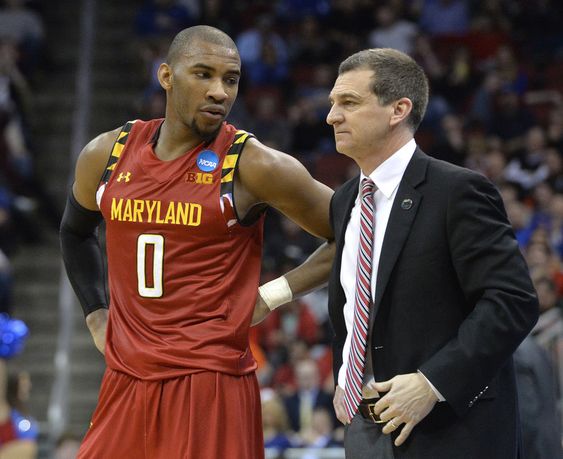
402,108
165,76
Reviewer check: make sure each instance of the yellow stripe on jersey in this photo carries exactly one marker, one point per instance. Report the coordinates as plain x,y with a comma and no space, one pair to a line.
229,177
242,138
230,161
116,150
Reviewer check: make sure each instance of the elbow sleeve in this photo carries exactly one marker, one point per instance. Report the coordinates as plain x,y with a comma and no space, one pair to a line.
82,255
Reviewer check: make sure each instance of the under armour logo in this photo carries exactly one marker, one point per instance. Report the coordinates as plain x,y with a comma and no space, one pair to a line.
123,176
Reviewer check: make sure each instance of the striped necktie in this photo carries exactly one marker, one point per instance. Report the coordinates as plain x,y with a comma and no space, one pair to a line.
362,302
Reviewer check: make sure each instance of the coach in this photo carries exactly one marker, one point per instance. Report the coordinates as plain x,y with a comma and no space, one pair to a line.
429,294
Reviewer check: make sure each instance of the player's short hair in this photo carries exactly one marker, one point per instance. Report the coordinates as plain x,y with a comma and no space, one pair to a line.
200,33
395,75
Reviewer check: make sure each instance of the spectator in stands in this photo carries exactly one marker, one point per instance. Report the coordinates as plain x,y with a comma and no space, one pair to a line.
268,121
542,260
548,332
520,218
451,145
494,165
444,17
555,127
286,325
274,421
528,168
263,53
537,402
285,360
307,397
391,31
509,119
6,284
554,162
308,45
320,434
67,446
18,431
460,79
512,76
8,231
162,18
24,27
295,10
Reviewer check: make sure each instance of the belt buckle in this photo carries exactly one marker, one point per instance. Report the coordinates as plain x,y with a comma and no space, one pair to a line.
374,417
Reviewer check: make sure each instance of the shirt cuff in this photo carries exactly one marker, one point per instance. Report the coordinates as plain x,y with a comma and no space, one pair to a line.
436,391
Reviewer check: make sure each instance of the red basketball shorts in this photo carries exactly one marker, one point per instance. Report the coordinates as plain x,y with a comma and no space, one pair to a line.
204,415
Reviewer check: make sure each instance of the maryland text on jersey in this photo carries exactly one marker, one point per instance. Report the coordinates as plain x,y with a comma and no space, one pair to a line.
152,211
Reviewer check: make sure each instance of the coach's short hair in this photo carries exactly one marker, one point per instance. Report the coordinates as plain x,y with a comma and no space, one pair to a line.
395,75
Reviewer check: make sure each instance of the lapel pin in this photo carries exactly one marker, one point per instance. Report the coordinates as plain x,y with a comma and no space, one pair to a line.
406,204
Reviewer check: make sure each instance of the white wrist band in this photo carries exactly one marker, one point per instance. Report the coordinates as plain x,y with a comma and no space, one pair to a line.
276,292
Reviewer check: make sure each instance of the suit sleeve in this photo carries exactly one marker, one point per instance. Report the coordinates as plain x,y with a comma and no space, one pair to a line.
337,318
495,281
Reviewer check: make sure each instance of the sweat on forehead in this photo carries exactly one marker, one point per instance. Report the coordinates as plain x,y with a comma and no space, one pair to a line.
185,39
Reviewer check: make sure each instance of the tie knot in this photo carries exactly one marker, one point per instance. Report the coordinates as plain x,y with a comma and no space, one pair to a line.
368,187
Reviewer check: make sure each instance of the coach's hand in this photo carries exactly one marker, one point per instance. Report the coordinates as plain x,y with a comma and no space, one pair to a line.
338,403
97,322
408,401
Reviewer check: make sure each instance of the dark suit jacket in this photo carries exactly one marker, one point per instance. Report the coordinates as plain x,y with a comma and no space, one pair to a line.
453,300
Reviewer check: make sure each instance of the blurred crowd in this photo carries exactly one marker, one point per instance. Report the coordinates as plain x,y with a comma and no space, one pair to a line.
22,42
496,106
496,72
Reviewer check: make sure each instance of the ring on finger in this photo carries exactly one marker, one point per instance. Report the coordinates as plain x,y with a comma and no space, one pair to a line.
392,424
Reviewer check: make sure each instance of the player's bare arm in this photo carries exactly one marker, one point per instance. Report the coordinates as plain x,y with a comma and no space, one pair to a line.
89,169
308,276
269,176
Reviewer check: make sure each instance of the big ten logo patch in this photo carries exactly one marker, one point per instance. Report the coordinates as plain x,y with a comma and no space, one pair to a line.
199,177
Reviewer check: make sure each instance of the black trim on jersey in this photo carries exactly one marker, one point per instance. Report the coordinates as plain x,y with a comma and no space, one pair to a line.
256,211
113,157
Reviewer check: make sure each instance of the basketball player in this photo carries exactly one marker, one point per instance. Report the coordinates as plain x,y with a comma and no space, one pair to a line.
183,200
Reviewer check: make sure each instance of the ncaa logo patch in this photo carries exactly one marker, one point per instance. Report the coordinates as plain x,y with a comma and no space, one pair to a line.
207,161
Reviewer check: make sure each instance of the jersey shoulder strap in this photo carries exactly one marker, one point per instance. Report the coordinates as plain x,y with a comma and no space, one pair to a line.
227,184
116,151
231,161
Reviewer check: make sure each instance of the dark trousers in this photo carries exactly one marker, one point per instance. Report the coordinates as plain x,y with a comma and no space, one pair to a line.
364,440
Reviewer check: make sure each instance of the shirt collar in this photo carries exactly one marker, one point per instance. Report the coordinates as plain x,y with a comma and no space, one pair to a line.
389,173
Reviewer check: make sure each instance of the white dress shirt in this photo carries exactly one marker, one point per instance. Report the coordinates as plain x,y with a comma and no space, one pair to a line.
386,178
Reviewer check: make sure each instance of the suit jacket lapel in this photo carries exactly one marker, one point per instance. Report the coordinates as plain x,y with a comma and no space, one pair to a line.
403,212
347,202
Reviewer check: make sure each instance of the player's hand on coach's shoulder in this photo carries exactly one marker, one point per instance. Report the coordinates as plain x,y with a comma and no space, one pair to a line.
97,323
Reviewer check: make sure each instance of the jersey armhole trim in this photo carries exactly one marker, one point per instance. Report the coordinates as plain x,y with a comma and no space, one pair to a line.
116,151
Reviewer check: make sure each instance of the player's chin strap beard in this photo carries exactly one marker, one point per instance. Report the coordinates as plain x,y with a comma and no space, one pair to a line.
205,136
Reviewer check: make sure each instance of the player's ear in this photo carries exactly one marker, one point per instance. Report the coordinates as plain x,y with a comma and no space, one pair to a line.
165,76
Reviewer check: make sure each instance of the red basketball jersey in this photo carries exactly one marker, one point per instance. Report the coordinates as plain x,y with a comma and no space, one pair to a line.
183,272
